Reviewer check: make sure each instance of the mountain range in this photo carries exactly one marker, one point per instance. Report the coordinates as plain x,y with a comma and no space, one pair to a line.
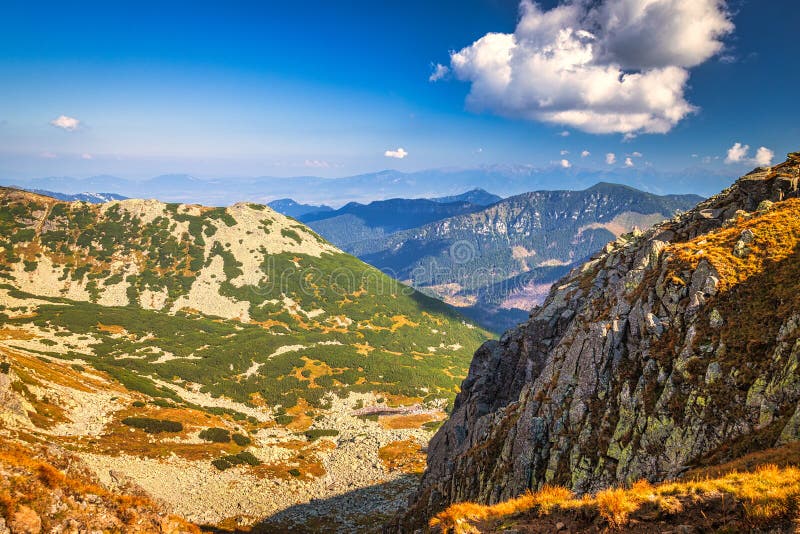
494,262
92,198
293,209
503,180
356,222
231,366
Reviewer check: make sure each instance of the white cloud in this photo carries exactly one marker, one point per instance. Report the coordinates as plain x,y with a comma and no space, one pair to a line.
608,66
738,154
637,154
87,156
611,158
48,155
400,153
585,154
564,133
317,164
564,152
66,123
439,72
566,164
628,162
764,157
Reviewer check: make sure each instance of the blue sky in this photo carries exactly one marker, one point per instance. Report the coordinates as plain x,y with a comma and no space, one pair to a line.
313,88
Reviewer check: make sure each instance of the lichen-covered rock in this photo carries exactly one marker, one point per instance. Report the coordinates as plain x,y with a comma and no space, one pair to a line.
664,351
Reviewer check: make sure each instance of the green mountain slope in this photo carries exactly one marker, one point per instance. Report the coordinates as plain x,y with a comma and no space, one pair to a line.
228,361
232,299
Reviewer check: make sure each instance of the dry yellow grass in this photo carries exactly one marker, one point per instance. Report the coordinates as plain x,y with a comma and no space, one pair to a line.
399,321
776,232
401,421
302,421
15,333
767,494
36,481
111,328
457,518
405,456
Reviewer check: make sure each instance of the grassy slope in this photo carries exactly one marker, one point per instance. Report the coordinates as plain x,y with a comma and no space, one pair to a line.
759,491
374,334
49,489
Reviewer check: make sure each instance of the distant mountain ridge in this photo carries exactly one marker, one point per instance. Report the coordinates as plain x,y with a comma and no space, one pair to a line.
356,222
289,207
479,260
477,196
505,180
93,198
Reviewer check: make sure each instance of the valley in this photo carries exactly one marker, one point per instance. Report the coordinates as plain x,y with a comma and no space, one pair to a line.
453,267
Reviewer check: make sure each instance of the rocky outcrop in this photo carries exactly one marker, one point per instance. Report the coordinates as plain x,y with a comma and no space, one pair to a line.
669,349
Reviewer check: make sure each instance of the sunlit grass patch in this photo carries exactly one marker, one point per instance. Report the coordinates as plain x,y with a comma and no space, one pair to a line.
768,495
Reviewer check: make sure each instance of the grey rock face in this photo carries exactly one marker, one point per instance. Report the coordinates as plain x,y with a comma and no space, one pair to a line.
623,373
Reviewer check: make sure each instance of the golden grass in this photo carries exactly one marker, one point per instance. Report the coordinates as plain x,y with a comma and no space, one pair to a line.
302,421
313,369
457,517
363,348
768,494
401,421
111,328
399,321
32,480
405,456
777,233
15,333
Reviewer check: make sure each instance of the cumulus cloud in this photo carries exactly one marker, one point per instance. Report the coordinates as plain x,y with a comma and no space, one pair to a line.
611,158
66,123
637,154
738,154
400,153
607,66
628,162
564,133
439,72
585,154
764,157
564,152
566,164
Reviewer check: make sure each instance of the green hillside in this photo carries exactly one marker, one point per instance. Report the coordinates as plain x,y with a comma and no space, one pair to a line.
241,302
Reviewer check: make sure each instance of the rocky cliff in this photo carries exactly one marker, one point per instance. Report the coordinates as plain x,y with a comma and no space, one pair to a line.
670,349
